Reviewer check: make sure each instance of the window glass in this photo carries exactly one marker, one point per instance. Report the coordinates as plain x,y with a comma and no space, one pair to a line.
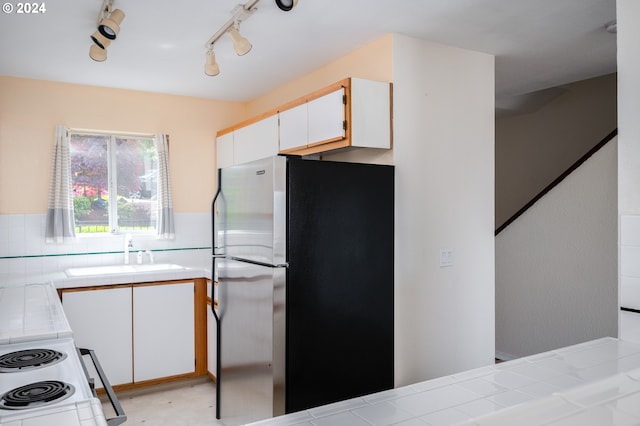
114,183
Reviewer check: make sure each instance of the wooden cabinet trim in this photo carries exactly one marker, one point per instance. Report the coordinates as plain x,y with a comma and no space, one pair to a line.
200,325
346,83
247,122
317,147
94,287
109,286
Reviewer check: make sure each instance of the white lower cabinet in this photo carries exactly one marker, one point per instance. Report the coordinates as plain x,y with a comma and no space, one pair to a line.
101,320
212,332
163,331
211,342
139,333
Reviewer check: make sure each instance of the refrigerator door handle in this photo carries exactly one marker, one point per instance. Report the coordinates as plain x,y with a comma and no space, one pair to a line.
214,233
255,262
218,339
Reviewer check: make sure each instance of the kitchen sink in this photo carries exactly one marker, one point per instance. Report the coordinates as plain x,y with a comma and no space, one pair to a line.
121,269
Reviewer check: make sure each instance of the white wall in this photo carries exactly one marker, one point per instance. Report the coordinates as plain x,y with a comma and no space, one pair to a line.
556,266
628,16
443,110
533,149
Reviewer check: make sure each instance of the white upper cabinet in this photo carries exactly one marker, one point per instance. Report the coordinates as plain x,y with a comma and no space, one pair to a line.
350,113
255,141
224,150
327,118
370,114
294,127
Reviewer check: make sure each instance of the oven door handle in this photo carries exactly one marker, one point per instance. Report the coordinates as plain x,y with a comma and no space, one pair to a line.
120,417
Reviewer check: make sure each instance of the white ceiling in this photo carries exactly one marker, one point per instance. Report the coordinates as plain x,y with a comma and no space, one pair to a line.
537,43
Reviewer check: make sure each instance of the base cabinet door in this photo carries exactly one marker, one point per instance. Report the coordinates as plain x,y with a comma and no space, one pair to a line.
212,336
101,320
163,331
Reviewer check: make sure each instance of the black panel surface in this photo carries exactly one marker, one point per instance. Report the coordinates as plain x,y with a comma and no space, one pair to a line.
339,281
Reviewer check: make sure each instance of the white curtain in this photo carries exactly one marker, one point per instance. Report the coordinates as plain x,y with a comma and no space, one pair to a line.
165,224
60,221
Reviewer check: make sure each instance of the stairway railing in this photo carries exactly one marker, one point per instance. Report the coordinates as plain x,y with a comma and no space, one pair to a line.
559,179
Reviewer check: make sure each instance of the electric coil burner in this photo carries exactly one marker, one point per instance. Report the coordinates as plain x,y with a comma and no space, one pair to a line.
36,394
29,359
43,378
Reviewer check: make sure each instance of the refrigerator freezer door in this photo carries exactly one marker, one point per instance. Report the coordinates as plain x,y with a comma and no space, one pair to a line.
252,211
252,319
339,282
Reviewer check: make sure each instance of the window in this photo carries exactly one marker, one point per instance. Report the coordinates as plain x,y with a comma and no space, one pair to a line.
114,180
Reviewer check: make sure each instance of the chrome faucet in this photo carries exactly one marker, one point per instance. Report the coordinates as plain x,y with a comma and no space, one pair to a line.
128,243
150,254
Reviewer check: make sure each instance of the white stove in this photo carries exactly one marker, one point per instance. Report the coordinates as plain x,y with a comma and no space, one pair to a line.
42,377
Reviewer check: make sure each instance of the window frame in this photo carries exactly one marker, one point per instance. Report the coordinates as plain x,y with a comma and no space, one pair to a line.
112,179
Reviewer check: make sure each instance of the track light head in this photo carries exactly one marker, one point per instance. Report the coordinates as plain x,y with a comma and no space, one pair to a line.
240,44
97,53
211,67
110,26
100,40
286,5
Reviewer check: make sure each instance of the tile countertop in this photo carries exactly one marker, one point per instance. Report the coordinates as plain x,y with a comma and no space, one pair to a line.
31,312
592,383
61,280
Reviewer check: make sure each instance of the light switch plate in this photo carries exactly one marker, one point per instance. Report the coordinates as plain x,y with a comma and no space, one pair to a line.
446,257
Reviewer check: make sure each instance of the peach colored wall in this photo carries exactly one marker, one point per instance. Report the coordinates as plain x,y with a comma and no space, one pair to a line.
30,110
373,61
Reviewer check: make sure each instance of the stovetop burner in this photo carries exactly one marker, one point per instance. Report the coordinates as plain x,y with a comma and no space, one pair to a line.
29,359
36,395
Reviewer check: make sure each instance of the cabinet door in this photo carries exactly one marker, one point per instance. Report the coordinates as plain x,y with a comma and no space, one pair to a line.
163,331
294,128
326,118
211,342
224,150
370,114
256,141
101,320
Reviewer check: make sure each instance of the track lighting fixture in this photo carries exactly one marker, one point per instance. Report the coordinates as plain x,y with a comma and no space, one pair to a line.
108,28
97,53
100,40
286,5
240,44
211,66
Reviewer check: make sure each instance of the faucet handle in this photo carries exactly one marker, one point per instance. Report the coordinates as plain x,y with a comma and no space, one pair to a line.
150,253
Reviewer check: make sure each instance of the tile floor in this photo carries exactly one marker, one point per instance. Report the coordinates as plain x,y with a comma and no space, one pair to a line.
185,403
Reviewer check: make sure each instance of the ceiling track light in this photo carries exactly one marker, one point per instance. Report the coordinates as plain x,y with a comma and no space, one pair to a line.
211,67
286,5
108,28
241,45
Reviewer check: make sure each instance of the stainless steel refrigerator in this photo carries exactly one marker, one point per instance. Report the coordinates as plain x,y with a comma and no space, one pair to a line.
303,256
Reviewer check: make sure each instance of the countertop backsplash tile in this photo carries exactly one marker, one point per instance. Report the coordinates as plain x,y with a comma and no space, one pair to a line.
24,255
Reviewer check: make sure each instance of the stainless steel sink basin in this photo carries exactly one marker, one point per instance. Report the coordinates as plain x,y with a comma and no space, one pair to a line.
121,269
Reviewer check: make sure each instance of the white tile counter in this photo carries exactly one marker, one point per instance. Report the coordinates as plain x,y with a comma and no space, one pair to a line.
31,312
61,280
593,383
